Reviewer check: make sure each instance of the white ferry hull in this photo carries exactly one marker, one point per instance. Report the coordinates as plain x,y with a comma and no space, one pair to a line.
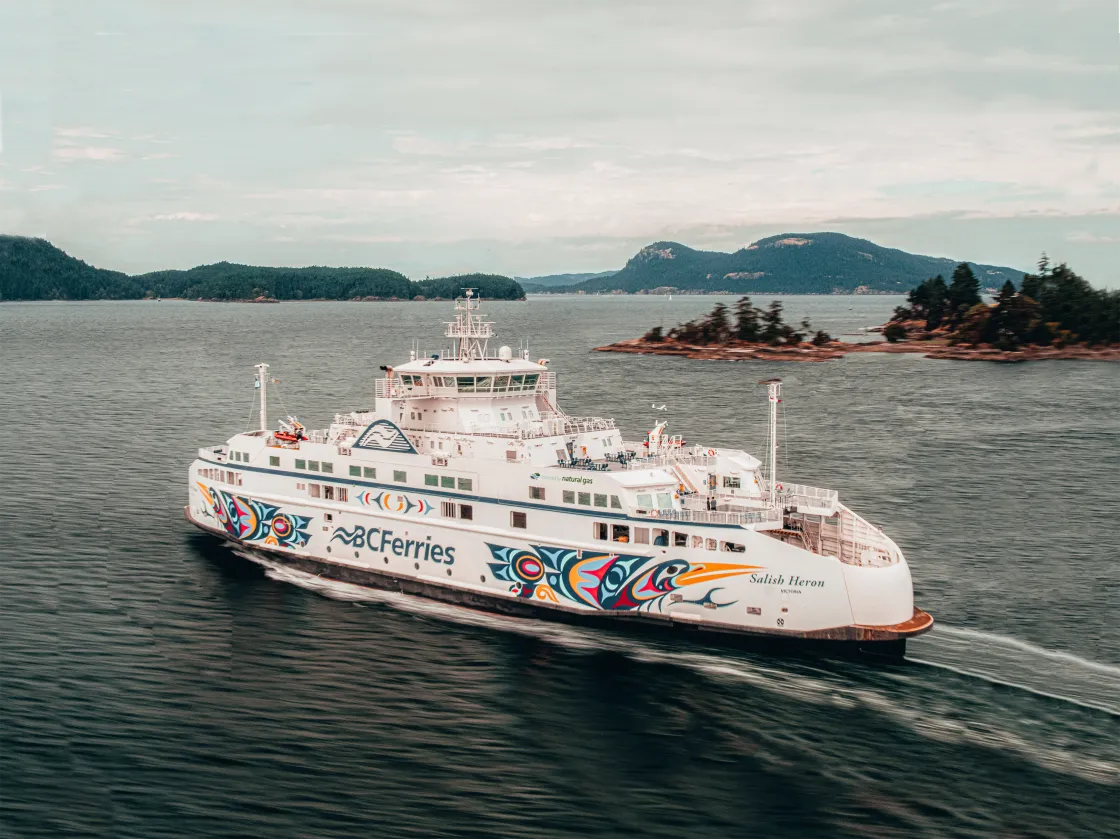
773,594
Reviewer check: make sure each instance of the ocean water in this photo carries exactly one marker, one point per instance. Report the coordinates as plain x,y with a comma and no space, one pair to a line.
154,683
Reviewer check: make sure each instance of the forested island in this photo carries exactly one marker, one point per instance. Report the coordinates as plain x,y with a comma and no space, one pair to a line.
34,269
1054,314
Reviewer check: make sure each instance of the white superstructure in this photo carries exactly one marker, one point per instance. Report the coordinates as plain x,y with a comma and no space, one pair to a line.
467,482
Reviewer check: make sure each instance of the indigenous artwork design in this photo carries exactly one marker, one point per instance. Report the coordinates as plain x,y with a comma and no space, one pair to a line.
384,435
611,582
394,502
256,521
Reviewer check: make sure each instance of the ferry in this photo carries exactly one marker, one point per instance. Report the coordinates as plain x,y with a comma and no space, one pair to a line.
467,483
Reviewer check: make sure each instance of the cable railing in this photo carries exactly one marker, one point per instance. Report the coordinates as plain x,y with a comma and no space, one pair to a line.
714,516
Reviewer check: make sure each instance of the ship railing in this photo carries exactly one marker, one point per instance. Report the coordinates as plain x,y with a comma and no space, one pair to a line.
217,453
347,419
855,541
668,459
769,516
802,495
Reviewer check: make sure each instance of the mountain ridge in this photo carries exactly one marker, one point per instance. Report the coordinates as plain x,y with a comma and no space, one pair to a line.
789,263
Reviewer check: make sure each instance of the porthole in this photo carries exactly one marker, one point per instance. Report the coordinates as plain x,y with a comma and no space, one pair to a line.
355,554
416,565
483,578
448,572
328,549
386,560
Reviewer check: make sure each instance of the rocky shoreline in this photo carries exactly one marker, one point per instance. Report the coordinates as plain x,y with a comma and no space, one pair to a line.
936,348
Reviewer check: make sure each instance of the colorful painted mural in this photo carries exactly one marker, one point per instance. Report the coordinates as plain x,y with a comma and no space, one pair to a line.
395,502
256,521
612,582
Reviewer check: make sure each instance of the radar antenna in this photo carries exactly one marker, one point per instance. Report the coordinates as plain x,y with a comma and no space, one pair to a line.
469,330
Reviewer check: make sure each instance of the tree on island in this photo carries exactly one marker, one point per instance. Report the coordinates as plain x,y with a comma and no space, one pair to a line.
752,326
1054,307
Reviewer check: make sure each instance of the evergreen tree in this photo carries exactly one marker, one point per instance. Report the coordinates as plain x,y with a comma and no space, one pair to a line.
747,317
719,326
963,293
773,329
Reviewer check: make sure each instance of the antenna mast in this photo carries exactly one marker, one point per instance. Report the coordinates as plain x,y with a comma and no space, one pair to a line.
262,385
774,389
468,329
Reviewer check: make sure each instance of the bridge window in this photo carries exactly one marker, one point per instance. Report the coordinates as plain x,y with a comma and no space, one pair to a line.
645,500
600,500
599,530
536,493
615,503
501,383
731,483
664,500
466,384
517,519
531,381
569,496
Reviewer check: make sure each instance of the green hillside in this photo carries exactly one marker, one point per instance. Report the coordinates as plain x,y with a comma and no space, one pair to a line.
791,263
34,269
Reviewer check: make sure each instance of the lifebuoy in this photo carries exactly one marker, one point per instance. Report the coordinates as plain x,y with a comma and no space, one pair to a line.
711,452
653,514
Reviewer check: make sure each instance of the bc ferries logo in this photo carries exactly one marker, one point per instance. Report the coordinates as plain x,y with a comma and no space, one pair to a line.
394,502
384,436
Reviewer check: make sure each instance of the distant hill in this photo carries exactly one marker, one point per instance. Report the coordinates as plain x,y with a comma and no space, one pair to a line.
552,280
34,269
791,263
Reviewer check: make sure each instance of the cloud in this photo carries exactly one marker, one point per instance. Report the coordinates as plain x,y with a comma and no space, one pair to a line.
1084,237
185,216
103,153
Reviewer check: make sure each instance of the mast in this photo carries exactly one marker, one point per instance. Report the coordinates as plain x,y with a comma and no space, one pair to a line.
468,329
774,389
262,385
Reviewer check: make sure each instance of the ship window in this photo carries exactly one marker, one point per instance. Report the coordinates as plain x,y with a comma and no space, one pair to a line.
356,471
447,481
343,494
447,508
465,484
516,382
313,465
569,496
511,455
599,530
314,490
697,541
466,384
501,383
431,480
328,517
328,468
645,500
328,493
369,472
664,500
536,493
235,455
517,519
600,500
230,478
615,503
483,383
661,537
680,540
710,544
531,381
399,476
301,486
731,483
641,535
733,547
466,511
273,460
585,499
301,464
620,532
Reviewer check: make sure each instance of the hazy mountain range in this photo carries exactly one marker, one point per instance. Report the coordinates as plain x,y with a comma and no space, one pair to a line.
790,263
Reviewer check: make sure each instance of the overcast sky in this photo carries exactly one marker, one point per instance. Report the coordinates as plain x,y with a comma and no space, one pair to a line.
523,137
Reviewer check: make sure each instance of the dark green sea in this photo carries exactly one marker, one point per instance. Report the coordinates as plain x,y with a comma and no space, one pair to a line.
155,684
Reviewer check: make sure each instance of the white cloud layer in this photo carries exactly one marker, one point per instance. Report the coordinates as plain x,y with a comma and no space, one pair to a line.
533,137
